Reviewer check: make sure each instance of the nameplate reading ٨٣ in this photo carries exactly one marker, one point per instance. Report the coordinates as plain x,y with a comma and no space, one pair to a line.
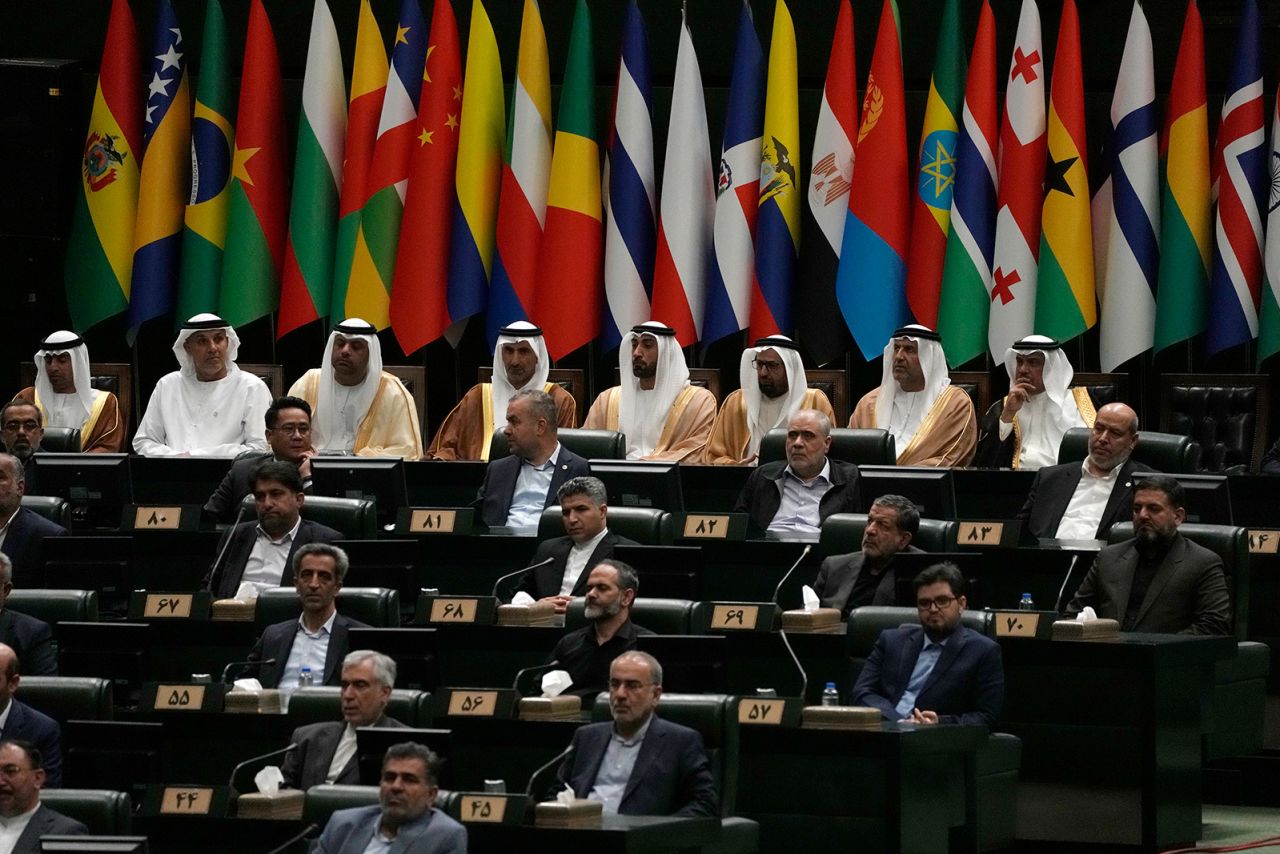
168,605
179,698
485,809
1016,624
734,616
157,518
979,533
433,521
182,800
477,704
706,527
1263,542
760,712
453,610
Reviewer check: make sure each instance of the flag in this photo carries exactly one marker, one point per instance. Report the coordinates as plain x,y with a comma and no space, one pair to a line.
419,296
688,208
818,323
374,260
1065,303
778,226
936,176
630,236
966,278
1020,165
204,232
317,180
1127,206
1240,174
364,108
1269,315
572,253
479,171
877,230
526,173
100,246
1186,221
166,164
256,212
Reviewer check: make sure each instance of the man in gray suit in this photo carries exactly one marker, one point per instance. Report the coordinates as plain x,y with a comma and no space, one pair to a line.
867,577
1159,581
405,822
21,779
327,751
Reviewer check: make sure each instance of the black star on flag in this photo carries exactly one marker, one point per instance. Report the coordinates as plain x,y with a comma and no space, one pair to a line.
1055,175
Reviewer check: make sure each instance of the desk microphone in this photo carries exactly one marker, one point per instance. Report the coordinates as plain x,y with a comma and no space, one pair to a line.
259,663
518,573
1057,603
556,760
288,845
804,554
804,676
231,782
550,665
213,570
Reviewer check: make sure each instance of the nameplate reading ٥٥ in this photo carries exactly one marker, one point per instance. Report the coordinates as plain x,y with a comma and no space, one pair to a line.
761,712
1263,542
453,611
1016,624
706,527
179,698
168,605
479,704
483,809
433,521
734,616
157,518
979,533
181,800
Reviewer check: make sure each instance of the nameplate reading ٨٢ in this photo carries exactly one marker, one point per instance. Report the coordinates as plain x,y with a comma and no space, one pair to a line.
706,527
453,610
1263,542
181,698
1016,624
180,800
157,518
760,712
168,605
979,533
433,521
487,809
478,704
734,616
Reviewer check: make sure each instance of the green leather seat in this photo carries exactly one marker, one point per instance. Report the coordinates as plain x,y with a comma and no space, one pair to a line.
54,606
651,526
842,534
660,616
65,698
323,801
51,507
104,812
866,623
324,703
61,440
1172,453
588,444
354,517
853,445
375,606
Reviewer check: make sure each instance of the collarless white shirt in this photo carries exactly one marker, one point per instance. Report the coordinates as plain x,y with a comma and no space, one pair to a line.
11,829
577,561
1084,510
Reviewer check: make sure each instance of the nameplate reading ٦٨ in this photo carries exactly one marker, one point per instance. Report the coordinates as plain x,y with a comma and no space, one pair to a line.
453,611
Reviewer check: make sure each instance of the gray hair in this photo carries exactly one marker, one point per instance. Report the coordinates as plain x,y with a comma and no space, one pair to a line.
592,487
6,569
655,669
16,471
628,579
340,561
414,750
908,512
824,423
384,666
542,404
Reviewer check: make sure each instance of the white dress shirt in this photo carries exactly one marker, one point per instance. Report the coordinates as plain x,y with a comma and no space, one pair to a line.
577,561
342,753
11,829
269,559
1084,511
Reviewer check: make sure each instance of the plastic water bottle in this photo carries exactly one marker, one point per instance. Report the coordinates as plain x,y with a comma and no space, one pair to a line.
305,679
830,696
1026,603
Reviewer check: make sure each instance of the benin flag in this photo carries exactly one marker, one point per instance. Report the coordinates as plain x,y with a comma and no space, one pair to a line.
100,248
256,216
570,265
1065,302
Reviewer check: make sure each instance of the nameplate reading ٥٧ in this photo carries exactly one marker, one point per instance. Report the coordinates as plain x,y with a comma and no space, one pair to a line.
706,527
453,611
433,521
761,712
168,605
979,533
179,698
178,800
479,704
1263,542
734,616
157,518
483,809
1016,624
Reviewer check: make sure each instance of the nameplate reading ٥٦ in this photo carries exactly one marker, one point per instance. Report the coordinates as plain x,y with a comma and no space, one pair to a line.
479,704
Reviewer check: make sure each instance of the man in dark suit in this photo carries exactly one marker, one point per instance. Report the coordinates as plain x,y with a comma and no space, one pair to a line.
1081,501
939,671
22,531
866,577
288,436
794,497
30,639
326,752
20,721
260,552
1159,581
406,815
317,640
518,487
24,777
639,764
584,509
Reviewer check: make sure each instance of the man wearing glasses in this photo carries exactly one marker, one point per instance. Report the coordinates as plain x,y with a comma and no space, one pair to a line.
939,671
773,388
288,436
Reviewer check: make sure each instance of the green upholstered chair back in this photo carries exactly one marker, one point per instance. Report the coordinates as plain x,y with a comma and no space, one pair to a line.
324,703
857,446
65,698
1227,541
51,507
661,616
651,526
1167,452
866,624
104,812
61,440
54,606
842,534
323,801
588,444
355,518
375,606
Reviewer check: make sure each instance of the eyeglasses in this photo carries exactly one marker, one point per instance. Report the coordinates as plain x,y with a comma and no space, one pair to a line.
939,602
25,426
760,365
629,684
300,429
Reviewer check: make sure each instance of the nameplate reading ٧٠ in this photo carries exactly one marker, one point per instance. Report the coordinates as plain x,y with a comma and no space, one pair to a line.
1016,624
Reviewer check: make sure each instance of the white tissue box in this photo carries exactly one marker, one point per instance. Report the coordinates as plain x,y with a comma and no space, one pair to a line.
236,610
582,812
1101,629
817,621
283,804
264,702
562,708
839,717
537,614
